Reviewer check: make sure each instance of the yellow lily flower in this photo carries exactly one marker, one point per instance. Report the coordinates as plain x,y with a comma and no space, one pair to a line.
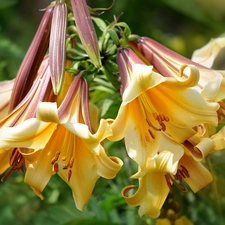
157,114
60,141
5,94
40,91
159,103
169,63
161,172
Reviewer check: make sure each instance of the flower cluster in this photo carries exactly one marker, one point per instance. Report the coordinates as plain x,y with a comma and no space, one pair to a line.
168,109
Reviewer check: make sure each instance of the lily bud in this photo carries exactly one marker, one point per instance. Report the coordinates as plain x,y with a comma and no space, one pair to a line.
57,46
32,60
86,31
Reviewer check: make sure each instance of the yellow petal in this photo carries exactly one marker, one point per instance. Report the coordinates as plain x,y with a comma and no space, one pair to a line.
219,139
199,175
143,78
31,134
82,175
207,54
107,167
39,166
150,195
5,159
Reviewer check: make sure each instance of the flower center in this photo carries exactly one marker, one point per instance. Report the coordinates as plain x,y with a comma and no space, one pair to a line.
66,165
161,119
182,173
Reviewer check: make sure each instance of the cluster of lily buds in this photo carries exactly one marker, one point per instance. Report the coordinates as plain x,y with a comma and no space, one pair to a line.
170,109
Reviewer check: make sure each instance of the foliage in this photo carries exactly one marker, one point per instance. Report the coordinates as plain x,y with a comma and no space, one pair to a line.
178,24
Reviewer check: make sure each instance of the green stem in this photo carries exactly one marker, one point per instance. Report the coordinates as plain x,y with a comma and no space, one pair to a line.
216,193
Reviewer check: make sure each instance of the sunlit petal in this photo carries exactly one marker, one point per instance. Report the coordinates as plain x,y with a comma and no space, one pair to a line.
207,54
27,135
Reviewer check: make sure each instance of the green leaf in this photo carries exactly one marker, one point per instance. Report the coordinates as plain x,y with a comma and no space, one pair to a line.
7,3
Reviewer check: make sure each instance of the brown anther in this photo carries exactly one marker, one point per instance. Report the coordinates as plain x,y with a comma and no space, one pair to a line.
69,175
57,155
168,181
163,126
19,163
71,162
182,174
151,134
56,167
177,176
185,171
14,156
53,160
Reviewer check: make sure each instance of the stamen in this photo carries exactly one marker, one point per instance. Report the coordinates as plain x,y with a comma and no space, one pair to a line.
69,175
56,167
168,181
163,126
152,135
181,173
177,176
71,162
160,118
183,189
14,157
6,174
55,158
185,171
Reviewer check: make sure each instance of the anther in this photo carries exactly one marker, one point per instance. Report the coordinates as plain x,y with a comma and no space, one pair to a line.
55,158
163,126
168,181
151,134
71,162
185,171
56,167
69,175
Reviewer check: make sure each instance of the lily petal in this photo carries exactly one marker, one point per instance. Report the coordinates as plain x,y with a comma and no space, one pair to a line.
199,176
207,54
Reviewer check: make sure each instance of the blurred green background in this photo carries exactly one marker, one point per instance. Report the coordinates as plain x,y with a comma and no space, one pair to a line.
178,24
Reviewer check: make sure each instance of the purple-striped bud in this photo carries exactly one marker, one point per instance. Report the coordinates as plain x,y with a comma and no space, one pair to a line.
125,59
32,60
86,31
57,45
